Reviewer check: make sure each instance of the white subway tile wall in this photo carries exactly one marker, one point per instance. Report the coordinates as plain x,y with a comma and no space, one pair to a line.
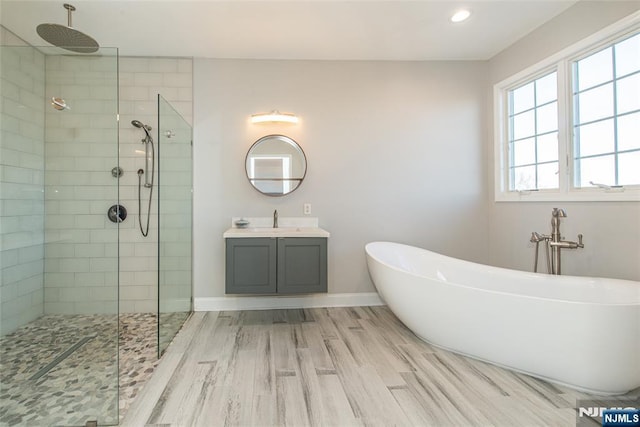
141,80
22,86
81,146
81,151
76,270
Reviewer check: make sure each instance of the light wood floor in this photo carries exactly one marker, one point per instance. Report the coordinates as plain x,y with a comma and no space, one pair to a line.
333,367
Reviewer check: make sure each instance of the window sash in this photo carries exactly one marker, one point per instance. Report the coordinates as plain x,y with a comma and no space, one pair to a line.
610,83
569,186
537,134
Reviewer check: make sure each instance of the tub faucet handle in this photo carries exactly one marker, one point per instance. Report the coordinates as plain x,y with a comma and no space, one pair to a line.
536,237
559,213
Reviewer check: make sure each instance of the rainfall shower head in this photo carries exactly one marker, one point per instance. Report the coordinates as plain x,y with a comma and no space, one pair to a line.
66,37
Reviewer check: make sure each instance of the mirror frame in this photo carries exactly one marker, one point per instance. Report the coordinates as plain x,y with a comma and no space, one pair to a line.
284,139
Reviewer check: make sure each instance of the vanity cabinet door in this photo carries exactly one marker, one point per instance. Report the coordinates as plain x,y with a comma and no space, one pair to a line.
251,266
302,265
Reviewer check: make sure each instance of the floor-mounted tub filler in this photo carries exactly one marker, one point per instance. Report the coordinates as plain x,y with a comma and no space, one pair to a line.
581,332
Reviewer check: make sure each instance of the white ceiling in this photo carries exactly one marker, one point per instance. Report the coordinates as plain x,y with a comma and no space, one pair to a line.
294,29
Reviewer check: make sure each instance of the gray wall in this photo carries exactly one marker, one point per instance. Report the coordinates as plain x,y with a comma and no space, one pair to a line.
611,229
396,151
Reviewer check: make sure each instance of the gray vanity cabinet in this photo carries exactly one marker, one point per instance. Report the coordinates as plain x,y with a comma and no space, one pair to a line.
285,265
302,265
251,266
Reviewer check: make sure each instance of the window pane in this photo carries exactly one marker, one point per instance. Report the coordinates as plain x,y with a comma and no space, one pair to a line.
596,138
523,125
597,169
629,132
628,56
548,175
522,98
595,69
524,152
524,178
548,147
629,168
595,104
546,89
547,119
628,94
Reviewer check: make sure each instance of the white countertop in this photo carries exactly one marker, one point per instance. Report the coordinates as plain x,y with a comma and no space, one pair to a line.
287,227
275,232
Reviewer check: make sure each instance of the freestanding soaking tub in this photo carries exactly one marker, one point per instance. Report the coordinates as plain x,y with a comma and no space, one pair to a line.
577,331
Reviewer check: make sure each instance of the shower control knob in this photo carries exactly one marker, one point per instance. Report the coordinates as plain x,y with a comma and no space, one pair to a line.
117,172
117,213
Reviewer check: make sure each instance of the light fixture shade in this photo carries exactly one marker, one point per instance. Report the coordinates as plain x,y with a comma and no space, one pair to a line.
274,116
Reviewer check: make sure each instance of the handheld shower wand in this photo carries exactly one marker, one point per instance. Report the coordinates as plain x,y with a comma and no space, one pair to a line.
148,154
149,157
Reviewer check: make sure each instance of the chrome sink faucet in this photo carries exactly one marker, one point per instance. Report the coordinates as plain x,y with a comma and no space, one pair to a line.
554,243
275,218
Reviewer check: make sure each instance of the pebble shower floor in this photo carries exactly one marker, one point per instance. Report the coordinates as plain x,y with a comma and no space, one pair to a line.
82,386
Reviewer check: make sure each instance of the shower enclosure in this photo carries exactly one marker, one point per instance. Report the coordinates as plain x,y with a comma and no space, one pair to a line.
61,312
175,162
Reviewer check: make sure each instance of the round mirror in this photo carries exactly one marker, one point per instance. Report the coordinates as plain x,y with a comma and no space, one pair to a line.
276,165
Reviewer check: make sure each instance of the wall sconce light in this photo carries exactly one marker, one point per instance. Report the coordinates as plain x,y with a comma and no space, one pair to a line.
274,116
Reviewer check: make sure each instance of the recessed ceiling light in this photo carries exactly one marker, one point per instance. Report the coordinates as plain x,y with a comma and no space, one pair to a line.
460,15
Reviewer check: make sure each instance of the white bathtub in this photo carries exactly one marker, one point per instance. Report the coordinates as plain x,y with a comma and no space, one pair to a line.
577,331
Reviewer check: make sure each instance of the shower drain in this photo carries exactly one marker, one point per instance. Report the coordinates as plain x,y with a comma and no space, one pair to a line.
49,366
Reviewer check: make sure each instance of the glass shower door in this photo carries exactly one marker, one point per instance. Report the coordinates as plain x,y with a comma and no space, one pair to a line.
59,252
175,166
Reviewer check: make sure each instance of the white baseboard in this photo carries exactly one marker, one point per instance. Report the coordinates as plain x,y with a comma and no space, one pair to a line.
233,303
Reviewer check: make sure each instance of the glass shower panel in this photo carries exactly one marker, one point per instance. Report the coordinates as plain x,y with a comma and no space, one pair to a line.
59,344
175,165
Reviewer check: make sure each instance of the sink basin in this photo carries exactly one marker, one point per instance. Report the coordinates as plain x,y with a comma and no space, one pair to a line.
282,229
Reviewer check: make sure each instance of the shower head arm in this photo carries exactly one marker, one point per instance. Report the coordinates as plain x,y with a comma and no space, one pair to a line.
70,8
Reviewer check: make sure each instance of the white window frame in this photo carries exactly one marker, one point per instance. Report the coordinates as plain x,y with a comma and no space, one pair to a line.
561,62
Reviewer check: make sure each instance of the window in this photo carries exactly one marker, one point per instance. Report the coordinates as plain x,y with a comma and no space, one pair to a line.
533,134
606,130
569,127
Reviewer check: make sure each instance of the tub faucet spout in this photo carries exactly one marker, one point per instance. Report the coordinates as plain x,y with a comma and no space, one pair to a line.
567,244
